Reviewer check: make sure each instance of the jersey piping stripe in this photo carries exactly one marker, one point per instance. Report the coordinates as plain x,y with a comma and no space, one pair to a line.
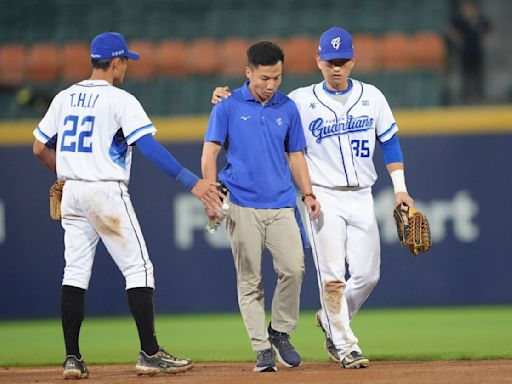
42,133
319,274
348,136
137,131
135,231
339,142
387,131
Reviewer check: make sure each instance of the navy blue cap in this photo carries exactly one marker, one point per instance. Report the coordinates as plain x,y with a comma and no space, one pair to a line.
336,43
109,45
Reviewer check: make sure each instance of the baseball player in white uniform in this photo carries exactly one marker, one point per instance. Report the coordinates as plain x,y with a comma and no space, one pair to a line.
92,127
343,119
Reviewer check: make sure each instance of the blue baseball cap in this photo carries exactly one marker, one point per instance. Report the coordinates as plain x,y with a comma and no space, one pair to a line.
336,43
109,45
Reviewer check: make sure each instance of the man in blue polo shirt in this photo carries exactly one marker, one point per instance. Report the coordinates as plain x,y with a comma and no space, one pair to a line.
261,131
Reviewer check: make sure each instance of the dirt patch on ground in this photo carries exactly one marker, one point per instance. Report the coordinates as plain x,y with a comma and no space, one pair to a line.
379,372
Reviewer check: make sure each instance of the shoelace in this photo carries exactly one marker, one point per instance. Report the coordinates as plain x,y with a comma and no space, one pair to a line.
163,353
284,340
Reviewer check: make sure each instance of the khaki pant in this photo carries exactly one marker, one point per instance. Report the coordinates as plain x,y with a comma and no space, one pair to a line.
250,231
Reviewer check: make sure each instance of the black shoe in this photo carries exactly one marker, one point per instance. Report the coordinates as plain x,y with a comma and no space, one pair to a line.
354,359
265,361
74,368
161,362
286,353
328,344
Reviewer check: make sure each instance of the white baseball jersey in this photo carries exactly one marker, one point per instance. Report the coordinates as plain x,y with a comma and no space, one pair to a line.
341,138
94,117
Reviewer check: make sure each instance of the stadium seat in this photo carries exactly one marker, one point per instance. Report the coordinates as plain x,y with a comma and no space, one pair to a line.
428,50
232,56
171,58
42,62
367,51
396,52
12,64
202,56
75,59
300,53
144,68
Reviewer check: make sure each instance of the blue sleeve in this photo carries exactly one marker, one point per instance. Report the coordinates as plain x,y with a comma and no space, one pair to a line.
218,124
52,143
296,141
163,160
392,151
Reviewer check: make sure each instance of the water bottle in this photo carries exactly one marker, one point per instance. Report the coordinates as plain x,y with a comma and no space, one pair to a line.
213,225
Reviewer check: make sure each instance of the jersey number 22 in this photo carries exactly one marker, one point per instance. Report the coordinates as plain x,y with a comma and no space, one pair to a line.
70,142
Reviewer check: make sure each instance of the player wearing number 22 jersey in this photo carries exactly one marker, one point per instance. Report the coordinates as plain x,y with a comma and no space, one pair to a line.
86,138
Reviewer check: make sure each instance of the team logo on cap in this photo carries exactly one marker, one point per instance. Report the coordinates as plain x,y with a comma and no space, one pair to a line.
336,42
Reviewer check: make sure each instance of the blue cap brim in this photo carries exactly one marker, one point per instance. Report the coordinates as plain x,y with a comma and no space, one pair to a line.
336,55
132,55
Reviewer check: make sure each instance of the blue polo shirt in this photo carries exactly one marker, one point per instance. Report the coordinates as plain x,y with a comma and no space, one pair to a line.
256,138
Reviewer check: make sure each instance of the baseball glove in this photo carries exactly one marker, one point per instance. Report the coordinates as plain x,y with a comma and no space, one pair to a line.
413,229
55,199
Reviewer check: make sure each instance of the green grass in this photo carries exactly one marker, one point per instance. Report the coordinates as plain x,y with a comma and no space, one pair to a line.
384,334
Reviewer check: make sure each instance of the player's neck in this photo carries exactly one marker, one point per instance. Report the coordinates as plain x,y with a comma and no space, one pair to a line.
336,88
98,74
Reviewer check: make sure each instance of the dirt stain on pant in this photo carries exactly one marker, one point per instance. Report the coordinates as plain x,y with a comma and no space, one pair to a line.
332,293
107,225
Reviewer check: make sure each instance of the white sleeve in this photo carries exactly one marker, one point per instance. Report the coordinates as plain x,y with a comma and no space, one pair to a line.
48,126
386,124
134,120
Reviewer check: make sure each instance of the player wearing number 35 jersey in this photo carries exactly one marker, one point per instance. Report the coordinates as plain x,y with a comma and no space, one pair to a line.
343,119
86,138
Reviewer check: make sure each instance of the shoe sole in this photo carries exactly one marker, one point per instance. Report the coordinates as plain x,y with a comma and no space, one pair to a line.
265,369
75,374
282,361
152,371
363,363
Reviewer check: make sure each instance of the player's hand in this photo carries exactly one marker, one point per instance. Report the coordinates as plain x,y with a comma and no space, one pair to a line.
404,198
213,214
206,191
220,93
313,207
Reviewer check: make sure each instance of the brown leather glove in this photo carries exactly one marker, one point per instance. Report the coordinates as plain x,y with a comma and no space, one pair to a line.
55,199
413,229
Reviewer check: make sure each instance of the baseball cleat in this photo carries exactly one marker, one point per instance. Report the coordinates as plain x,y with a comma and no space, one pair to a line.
161,362
74,368
265,361
328,344
354,359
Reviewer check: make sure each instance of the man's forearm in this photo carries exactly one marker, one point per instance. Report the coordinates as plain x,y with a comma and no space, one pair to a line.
300,173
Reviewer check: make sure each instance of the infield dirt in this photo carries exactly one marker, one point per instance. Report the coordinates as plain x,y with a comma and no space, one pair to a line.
379,372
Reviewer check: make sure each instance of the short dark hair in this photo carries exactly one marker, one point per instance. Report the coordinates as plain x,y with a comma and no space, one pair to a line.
103,63
264,53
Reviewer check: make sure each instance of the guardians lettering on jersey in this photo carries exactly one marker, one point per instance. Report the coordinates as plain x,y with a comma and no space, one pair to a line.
321,129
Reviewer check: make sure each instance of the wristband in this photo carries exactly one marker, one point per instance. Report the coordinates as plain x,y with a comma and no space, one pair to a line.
398,180
187,178
311,194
